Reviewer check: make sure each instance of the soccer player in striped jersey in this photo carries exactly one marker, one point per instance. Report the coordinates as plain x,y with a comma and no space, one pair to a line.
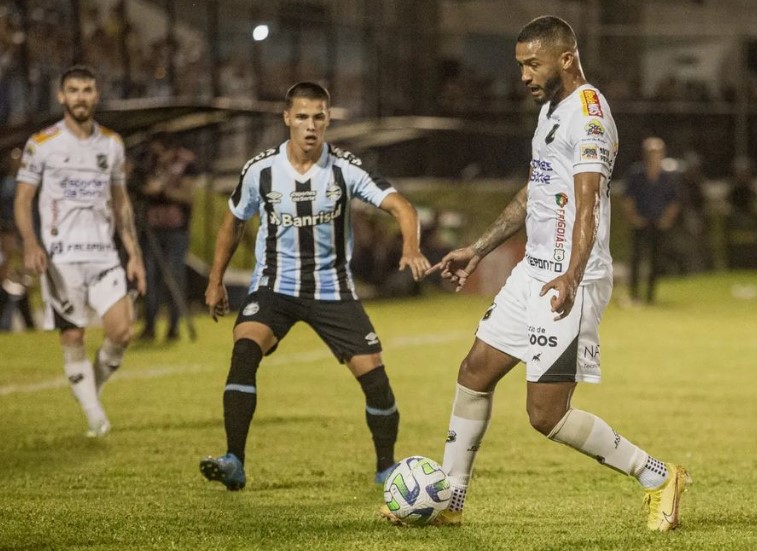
548,312
301,190
76,170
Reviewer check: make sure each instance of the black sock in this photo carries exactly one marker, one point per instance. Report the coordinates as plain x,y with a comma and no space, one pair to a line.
381,415
240,395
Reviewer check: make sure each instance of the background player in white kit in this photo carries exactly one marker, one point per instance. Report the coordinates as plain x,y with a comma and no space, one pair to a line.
547,314
77,168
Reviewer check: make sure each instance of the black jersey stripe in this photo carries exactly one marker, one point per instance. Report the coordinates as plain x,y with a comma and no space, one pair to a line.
271,243
382,183
340,242
306,239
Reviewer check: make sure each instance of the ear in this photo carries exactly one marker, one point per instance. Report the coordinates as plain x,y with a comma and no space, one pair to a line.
567,59
287,120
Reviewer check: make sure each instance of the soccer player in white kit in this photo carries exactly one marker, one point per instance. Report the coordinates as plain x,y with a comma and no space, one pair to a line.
76,168
548,312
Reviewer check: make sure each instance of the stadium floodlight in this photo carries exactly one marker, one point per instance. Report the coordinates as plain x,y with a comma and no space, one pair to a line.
260,33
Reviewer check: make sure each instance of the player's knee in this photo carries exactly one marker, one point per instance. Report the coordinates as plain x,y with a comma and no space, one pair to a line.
245,359
544,419
121,334
377,390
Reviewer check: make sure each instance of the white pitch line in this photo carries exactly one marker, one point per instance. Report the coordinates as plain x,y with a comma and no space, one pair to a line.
155,372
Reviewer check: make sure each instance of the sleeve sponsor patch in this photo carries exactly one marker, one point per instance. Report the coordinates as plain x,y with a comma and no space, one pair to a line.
589,153
591,104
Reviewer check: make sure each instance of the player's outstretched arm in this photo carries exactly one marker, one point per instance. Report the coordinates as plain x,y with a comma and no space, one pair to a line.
407,217
127,230
229,236
587,186
35,258
458,265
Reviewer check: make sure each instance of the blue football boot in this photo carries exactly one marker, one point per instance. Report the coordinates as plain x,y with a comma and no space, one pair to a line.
226,469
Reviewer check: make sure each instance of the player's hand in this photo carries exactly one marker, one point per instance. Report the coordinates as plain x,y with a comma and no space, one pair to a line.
135,272
457,266
35,258
564,298
417,263
217,300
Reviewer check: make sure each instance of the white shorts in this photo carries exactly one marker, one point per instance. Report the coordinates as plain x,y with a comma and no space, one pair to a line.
521,324
78,289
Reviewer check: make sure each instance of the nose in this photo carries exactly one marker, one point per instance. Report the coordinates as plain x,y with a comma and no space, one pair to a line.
525,75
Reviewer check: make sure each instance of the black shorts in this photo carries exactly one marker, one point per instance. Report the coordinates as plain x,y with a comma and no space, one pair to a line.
342,324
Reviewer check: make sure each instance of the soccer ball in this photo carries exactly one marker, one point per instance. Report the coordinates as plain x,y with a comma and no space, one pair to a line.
417,490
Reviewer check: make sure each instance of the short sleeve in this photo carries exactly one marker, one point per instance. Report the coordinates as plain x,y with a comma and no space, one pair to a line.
370,188
245,199
593,149
32,164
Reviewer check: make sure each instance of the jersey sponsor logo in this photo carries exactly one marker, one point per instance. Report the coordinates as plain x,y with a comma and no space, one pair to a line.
89,247
591,105
346,155
46,134
560,230
589,153
273,197
551,136
334,192
298,196
287,220
591,351
251,309
541,171
83,188
544,264
594,128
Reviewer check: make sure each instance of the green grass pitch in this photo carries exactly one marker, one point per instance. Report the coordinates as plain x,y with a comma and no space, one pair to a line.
679,380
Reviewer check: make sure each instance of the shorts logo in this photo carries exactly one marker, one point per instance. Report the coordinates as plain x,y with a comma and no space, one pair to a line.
251,309
372,338
561,199
536,358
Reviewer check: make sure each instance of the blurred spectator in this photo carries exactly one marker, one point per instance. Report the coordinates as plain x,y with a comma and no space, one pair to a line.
692,226
652,205
13,283
165,179
741,225
741,197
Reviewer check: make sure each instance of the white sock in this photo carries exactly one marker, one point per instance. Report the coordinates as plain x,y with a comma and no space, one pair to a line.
653,474
81,377
108,360
590,435
471,412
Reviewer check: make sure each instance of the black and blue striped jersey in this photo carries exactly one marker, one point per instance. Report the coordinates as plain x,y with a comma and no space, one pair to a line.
304,243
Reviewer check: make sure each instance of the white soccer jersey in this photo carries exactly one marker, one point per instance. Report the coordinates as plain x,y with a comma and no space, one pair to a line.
579,135
74,178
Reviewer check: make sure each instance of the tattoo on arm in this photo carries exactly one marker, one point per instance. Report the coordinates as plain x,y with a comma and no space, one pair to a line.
128,229
507,224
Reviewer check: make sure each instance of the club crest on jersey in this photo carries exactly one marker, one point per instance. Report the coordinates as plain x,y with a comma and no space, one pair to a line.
102,161
273,197
561,199
591,105
251,309
334,192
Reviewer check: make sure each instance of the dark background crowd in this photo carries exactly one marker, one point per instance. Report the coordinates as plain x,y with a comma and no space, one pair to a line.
195,88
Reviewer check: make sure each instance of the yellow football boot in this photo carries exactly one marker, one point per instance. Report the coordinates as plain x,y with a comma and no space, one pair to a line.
664,502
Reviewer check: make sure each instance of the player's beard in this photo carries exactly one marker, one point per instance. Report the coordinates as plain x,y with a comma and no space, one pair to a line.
83,116
551,88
